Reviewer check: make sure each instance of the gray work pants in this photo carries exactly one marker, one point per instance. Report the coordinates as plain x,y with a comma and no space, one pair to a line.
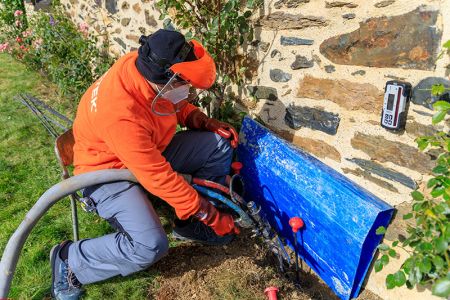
140,240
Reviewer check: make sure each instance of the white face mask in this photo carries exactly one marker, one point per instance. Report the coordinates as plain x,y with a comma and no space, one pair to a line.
177,94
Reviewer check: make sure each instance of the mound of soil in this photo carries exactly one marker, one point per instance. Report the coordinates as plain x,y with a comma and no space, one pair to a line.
240,270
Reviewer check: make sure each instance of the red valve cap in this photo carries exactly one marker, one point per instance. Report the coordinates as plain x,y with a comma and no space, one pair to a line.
236,166
271,292
296,223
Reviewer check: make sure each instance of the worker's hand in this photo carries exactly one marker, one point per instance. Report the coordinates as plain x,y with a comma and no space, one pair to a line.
198,120
221,223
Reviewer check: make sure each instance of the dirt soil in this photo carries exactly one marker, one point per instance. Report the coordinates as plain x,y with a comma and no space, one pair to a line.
241,270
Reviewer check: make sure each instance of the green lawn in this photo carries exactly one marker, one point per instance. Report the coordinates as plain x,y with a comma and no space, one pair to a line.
28,167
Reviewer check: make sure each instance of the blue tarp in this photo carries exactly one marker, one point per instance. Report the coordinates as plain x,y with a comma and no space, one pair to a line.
338,241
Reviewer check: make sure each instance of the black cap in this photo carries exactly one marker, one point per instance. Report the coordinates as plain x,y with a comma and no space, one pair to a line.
159,51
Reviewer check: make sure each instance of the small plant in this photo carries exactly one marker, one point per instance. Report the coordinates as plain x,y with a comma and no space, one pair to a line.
428,241
222,27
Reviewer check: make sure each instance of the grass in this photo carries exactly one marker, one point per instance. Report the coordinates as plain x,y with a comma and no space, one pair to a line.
28,167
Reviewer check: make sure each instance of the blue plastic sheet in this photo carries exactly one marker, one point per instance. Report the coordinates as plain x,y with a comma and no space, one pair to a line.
338,241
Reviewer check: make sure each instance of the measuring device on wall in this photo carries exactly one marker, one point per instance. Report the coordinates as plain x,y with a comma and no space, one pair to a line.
397,95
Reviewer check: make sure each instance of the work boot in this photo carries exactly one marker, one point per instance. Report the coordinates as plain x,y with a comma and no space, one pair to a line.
65,285
196,231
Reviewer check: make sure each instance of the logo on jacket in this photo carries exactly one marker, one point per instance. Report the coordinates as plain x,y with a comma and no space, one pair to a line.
94,93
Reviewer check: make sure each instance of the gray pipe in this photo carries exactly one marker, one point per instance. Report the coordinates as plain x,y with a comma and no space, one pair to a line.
51,196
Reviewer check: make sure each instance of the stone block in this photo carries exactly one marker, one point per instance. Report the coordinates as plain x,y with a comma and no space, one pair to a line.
278,75
283,21
289,3
378,169
301,116
383,150
274,53
125,5
111,6
150,19
349,16
294,41
408,41
347,94
330,68
384,3
120,42
301,62
421,94
125,21
366,175
133,38
340,4
417,129
359,72
263,92
137,8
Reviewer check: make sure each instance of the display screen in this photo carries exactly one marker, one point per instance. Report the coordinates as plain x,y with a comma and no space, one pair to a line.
390,104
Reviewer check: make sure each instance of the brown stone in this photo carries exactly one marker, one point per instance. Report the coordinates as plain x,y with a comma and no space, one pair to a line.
350,95
383,150
318,148
384,3
340,4
366,175
289,3
150,19
409,41
281,20
417,129
137,8
133,38
125,5
118,30
398,226
125,21
142,30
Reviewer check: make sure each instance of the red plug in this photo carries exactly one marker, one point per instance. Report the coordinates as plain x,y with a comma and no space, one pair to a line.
236,166
271,292
296,223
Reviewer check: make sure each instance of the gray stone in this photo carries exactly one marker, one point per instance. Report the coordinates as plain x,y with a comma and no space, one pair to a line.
349,16
125,21
150,19
290,41
408,41
394,77
142,30
384,3
416,129
111,6
263,92
422,92
330,68
283,21
289,3
359,72
278,75
274,53
366,175
302,116
120,42
378,169
301,62
317,59
264,46
340,4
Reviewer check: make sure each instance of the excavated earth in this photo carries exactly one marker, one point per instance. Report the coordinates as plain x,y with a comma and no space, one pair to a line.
240,270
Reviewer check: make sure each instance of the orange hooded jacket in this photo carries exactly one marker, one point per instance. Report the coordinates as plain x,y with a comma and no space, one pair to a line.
115,128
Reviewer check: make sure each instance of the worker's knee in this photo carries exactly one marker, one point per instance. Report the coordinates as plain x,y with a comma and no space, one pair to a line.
149,248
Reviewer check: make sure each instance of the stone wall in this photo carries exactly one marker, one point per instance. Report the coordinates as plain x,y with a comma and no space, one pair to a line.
321,67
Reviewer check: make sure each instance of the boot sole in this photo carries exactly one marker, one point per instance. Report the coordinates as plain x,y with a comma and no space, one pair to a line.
53,254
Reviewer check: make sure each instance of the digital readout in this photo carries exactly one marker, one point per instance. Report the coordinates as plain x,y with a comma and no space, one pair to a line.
390,104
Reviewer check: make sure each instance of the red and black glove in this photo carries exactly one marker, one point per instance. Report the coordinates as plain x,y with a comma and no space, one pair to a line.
198,120
221,223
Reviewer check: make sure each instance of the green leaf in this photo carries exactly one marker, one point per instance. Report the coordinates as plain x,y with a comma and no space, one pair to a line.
446,44
425,265
418,196
422,144
437,191
378,265
441,287
438,117
426,246
440,169
380,230
394,244
407,216
384,259
437,89
383,247
441,105
399,278
441,245
390,281
392,253
438,262
432,182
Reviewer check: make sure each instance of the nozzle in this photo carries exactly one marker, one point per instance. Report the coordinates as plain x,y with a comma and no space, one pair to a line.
236,166
296,223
